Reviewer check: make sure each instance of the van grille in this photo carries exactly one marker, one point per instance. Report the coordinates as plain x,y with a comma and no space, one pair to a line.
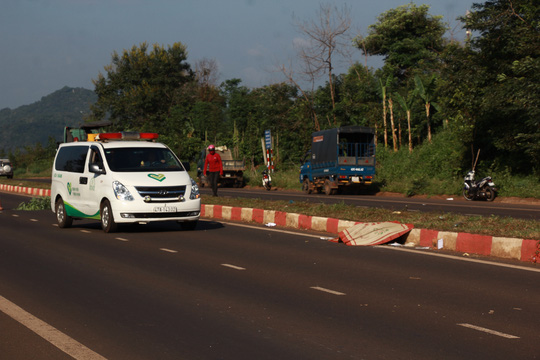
161,192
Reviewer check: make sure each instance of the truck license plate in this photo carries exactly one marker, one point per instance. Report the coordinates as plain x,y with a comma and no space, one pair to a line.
355,179
227,175
165,209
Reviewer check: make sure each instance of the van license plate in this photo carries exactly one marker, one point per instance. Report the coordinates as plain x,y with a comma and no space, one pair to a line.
355,179
164,209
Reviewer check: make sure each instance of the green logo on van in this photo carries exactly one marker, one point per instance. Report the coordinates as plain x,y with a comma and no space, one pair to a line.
69,188
158,177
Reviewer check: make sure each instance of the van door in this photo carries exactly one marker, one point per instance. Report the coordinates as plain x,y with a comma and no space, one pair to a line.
69,167
88,181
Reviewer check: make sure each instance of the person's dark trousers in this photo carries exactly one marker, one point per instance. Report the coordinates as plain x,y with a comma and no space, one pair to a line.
213,176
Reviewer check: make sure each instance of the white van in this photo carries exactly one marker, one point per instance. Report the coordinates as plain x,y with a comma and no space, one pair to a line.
116,180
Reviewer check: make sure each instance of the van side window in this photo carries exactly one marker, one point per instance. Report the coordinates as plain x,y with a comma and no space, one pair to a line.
71,158
95,157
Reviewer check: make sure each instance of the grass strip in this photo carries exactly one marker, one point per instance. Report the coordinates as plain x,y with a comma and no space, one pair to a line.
441,221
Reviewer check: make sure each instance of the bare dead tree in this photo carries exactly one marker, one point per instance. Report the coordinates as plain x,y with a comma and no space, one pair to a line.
327,35
207,76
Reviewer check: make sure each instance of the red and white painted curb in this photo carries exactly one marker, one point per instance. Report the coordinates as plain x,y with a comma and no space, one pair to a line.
25,190
510,248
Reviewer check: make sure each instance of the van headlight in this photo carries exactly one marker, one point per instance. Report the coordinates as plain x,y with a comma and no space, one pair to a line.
194,190
121,192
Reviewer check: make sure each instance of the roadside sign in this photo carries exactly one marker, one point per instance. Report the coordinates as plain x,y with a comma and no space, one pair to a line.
267,139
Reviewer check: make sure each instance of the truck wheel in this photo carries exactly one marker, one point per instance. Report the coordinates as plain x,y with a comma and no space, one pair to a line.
107,220
328,188
64,220
305,186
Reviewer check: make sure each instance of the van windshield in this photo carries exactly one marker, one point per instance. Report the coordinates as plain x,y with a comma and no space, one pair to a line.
142,159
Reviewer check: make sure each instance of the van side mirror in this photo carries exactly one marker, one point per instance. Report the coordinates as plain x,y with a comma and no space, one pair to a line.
94,168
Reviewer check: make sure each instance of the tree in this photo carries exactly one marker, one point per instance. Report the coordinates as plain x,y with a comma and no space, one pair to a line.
383,88
493,83
406,105
407,37
206,76
141,85
306,95
427,94
358,101
394,135
325,38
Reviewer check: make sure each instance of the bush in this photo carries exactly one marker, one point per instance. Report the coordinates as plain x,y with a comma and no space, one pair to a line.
431,169
37,203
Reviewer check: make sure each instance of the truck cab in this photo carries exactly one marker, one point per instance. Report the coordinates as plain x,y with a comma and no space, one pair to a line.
339,158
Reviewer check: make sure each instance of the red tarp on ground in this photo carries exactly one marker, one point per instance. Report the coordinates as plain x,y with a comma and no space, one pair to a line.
373,233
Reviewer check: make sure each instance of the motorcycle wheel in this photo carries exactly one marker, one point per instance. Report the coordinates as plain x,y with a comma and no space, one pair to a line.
467,195
267,186
490,194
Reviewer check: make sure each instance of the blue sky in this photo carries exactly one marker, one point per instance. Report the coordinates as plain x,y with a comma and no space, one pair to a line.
49,44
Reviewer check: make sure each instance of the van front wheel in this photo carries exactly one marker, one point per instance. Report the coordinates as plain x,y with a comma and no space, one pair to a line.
64,220
107,220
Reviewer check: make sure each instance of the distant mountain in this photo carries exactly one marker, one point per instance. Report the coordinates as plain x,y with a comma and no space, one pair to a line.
35,123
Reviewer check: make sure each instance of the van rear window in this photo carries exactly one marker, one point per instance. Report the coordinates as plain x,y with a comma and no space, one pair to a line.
71,158
142,159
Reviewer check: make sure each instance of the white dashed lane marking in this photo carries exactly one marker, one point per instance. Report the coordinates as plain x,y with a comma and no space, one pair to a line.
168,250
57,338
233,267
333,292
489,331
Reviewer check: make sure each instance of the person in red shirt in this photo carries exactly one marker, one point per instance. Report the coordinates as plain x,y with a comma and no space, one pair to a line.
214,166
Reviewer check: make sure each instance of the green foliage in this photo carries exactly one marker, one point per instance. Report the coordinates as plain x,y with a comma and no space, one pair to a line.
509,184
37,203
408,38
34,160
432,169
493,85
141,85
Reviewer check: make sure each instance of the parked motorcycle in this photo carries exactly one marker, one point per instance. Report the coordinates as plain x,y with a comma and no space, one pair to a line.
266,180
483,189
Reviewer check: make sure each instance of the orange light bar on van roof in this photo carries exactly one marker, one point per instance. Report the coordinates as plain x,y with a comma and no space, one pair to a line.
124,135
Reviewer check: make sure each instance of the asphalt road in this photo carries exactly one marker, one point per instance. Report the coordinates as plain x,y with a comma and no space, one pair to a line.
446,205
231,291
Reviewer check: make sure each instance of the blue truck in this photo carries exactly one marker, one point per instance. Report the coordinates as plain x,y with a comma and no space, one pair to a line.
339,158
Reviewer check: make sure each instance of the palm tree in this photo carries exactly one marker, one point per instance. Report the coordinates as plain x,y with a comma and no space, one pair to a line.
382,89
427,94
406,105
